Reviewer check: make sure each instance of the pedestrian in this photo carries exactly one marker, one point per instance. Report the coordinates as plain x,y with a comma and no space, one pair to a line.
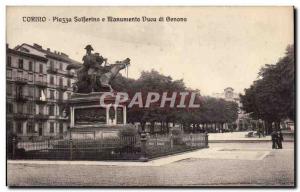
279,139
274,137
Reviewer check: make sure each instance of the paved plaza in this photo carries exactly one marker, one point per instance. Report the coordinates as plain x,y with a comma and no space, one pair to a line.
235,136
228,164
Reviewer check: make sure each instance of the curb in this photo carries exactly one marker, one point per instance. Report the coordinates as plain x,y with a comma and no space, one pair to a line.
243,141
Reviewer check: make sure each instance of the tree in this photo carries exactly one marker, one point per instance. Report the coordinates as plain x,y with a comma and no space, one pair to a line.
211,111
272,96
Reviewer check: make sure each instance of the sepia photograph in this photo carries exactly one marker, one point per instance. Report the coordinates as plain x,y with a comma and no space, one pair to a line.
150,96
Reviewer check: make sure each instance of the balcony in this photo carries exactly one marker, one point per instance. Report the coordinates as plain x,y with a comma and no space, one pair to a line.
41,117
21,116
52,70
22,98
41,84
62,87
51,100
61,118
38,100
70,74
21,81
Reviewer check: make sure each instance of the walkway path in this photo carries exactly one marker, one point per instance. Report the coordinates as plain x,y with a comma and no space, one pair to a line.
235,136
221,164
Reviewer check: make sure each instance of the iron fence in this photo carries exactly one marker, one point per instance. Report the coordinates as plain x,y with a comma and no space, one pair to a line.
108,148
170,144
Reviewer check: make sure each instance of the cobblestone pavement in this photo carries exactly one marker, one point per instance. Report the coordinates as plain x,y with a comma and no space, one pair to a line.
275,169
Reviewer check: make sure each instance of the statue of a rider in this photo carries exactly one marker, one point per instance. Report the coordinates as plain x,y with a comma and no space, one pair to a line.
95,75
93,65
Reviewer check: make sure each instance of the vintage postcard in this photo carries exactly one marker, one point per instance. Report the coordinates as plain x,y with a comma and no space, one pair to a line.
184,96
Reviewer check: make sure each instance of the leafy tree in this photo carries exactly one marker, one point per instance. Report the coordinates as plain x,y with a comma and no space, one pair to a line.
211,110
272,96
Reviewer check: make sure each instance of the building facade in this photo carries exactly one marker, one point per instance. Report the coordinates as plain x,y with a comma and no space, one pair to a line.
38,86
230,95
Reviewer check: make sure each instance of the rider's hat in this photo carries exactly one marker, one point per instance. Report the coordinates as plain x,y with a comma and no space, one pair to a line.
89,47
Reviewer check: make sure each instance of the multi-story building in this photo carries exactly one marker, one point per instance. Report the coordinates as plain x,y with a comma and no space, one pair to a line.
38,85
230,95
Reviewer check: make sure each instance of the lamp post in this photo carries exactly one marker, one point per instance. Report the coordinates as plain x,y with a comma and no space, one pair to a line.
143,146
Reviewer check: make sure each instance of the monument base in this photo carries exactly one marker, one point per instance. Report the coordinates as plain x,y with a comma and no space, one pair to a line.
90,119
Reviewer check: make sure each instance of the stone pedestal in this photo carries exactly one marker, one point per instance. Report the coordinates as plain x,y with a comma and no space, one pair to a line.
91,119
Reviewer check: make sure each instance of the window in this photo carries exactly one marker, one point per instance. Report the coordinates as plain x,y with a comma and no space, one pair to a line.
41,68
30,91
40,78
61,81
69,83
40,129
41,109
60,66
52,94
51,80
51,110
20,108
30,128
30,77
60,110
19,128
61,127
61,95
19,91
8,61
51,64
30,108
21,63
30,68
20,74
9,74
51,127
9,126
9,89
39,93
9,108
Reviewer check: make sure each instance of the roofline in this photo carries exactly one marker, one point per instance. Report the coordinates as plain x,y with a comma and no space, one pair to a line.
68,60
30,55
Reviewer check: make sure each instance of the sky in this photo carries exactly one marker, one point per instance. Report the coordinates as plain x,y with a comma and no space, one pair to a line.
217,47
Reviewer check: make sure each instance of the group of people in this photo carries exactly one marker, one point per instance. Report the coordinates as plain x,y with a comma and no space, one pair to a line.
277,139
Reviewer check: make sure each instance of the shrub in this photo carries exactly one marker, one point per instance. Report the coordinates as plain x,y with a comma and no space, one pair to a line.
128,131
128,138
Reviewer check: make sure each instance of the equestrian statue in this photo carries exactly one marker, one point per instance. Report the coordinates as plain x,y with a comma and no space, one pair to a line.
95,75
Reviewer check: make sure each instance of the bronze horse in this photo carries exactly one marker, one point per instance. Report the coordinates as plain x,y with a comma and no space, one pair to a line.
100,80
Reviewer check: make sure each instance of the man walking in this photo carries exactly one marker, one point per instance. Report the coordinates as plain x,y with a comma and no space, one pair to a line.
279,139
274,137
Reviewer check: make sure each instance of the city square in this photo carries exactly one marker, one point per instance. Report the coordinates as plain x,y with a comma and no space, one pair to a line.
162,96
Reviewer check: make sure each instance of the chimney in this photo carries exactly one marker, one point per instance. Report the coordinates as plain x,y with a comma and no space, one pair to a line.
48,49
37,46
